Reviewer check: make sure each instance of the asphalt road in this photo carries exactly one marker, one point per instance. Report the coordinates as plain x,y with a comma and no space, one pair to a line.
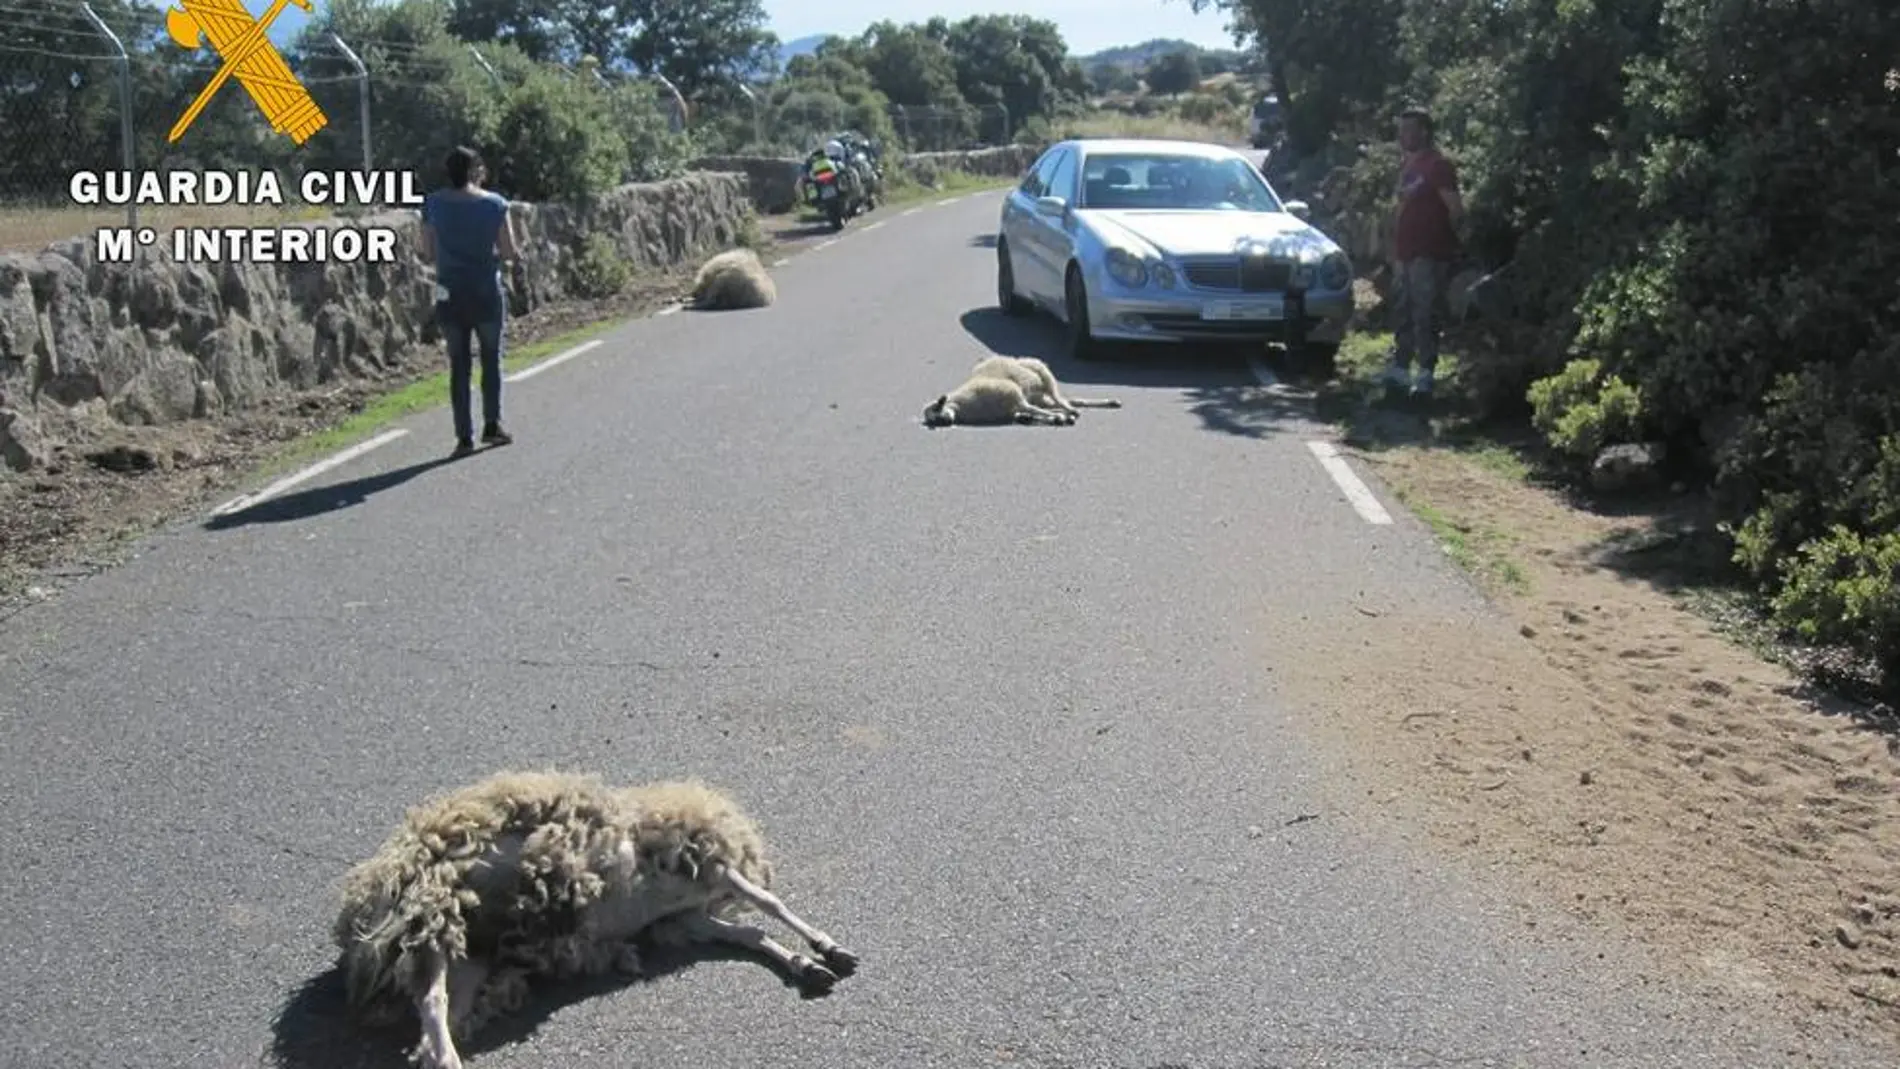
1003,699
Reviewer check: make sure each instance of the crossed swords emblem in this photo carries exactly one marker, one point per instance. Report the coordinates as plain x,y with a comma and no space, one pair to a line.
248,54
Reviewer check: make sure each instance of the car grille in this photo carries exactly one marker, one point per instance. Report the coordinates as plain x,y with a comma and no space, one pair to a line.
1238,275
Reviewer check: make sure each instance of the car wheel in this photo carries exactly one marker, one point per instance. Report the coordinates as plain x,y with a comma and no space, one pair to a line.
1319,360
1006,298
1075,302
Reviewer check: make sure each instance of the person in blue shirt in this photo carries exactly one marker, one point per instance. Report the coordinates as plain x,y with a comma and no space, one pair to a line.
468,232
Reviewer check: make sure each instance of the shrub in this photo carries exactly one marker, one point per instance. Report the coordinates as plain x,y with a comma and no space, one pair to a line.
1844,589
1580,410
598,269
557,140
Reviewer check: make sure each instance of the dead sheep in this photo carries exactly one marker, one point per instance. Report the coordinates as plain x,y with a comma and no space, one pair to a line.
732,280
527,875
1038,383
983,401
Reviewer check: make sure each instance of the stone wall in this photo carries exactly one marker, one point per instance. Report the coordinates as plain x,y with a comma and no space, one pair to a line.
157,341
773,180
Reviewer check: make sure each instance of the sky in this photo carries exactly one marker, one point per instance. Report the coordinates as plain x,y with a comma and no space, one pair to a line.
1087,25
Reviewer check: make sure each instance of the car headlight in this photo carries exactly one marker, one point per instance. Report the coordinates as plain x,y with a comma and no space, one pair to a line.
1125,268
1335,271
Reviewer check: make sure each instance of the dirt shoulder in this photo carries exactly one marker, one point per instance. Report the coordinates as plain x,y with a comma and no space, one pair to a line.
110,484
1634,765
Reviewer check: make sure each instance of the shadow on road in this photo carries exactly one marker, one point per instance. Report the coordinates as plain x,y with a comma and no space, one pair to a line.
308,503
1217,381
983,241
314,1029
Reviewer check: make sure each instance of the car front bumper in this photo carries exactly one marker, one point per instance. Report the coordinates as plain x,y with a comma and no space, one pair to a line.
1190,315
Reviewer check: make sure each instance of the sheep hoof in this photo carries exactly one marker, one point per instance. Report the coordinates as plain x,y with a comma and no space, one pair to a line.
815,978
841,961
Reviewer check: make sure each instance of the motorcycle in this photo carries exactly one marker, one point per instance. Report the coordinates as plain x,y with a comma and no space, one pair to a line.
836,191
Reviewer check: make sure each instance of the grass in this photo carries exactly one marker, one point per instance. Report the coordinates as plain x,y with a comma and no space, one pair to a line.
1481,551
1108,123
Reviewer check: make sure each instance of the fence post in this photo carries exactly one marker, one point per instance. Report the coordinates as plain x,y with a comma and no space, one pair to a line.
125,105
492,76
758,119
679,102
362,92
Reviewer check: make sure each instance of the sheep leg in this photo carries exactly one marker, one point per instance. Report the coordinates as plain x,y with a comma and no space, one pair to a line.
705,928
1029,413
437,1049
840,960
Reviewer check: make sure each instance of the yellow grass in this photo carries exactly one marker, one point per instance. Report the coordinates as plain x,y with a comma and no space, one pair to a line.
29,229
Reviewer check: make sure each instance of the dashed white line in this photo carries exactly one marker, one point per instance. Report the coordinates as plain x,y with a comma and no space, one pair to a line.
781,261
874,226
1357,493
671,309
311,472
909,211
825,244
557,358
948,200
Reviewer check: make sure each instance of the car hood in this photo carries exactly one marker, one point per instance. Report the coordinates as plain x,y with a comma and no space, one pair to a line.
1213,233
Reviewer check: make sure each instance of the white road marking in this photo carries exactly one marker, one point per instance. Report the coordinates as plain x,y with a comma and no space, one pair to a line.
670,309
909,211
557,358
308,473
781,261
948,200
873,226
1357,493
825,244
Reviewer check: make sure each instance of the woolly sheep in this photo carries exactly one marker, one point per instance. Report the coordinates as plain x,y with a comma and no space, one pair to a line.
983,401
1038,382
731,280
549,874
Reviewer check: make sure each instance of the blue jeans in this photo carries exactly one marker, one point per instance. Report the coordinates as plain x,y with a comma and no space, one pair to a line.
469,318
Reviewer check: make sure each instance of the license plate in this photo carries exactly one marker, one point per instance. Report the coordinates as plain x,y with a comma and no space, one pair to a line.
1265,308
827,192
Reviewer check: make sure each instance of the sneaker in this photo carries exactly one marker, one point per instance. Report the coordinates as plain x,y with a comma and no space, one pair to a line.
463,447
494,435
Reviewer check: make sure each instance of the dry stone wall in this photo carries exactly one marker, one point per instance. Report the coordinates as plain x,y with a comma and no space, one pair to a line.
158,341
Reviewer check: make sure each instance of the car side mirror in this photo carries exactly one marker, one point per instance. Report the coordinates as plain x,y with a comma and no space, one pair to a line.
1297,208
1053,206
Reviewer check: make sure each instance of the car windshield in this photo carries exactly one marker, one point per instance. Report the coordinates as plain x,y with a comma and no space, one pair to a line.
1161,180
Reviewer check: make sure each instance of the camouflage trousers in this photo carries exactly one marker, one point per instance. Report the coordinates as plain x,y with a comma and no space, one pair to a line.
1418,301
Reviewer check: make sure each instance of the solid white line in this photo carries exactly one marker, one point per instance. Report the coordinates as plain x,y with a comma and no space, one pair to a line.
310,472
873,226
557,358
1356,491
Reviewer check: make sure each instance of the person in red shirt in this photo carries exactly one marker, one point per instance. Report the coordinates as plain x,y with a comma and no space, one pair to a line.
1425,243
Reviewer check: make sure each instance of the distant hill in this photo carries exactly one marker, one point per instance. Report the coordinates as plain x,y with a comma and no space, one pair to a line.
803,46
1137,57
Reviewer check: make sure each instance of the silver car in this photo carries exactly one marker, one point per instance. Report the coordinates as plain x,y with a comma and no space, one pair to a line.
1169,241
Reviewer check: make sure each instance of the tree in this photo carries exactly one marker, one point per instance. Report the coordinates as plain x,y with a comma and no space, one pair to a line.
693,45
1174,72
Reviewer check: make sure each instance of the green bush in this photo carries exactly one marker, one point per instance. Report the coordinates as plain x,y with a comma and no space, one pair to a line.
1844,589
598,269
1580,410
557,141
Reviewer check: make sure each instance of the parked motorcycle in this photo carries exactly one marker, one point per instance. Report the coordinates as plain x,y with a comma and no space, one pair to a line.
834,187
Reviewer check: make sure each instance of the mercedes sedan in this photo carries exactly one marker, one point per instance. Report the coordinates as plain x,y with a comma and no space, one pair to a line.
1169,241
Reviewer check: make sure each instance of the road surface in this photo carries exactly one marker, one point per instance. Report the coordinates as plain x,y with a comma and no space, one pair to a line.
1003,698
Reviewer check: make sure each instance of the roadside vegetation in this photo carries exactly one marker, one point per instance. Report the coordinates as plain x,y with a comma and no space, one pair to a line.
1693,213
